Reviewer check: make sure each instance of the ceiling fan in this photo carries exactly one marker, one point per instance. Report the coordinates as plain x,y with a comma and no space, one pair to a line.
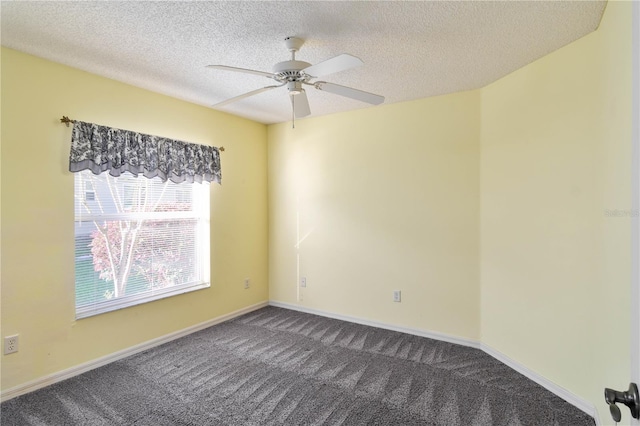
294,74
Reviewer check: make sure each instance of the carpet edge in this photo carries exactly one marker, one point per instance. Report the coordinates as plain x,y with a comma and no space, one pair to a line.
416,332
573,399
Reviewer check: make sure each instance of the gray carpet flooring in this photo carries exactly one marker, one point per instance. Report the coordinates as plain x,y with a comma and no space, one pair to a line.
276,366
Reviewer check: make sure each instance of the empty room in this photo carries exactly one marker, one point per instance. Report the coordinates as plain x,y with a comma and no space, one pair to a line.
320,213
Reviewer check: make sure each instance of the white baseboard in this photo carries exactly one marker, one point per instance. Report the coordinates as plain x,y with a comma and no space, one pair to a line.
423,333
99,362
41,382
572,399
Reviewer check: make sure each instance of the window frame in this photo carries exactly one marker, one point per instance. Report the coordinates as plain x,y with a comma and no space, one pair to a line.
200,211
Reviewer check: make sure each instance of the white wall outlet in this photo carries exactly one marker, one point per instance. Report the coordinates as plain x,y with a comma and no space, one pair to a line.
303,281
247,283
397,296
11,344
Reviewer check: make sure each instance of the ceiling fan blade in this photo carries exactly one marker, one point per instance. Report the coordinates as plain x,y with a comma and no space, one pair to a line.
333,65
227,68
300,104
246,95
356,94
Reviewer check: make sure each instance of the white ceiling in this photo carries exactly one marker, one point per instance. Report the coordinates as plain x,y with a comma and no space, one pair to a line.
410,50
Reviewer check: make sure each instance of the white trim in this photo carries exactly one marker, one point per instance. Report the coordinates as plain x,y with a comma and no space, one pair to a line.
99,362
416,332
41,382
572,399
98,308
635,197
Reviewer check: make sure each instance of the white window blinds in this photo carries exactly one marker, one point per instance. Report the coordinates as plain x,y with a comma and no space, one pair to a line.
137,240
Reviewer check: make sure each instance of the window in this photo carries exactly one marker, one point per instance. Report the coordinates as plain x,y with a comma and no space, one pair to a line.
138,240
89,195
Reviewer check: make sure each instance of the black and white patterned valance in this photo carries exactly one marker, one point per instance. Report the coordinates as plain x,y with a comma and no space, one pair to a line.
100,149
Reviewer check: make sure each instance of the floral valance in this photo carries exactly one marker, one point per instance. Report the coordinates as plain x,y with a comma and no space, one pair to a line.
100,149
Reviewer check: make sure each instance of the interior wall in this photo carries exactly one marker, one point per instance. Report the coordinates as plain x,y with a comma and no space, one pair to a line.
499,213
376,200
555,212
37,215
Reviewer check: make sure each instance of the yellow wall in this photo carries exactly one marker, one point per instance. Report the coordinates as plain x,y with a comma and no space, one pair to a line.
487,209
555,156
376,200
37,215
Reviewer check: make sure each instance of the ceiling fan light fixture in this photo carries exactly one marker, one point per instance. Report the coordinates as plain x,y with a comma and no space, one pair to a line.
294,87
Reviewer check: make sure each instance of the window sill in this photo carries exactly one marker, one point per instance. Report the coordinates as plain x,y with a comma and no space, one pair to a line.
137,299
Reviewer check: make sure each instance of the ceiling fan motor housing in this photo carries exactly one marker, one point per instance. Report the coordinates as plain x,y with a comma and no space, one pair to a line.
290,70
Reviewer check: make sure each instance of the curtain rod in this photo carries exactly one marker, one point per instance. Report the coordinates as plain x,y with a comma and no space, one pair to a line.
66,120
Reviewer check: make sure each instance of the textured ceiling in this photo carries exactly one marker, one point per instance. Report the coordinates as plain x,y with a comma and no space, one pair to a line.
410,50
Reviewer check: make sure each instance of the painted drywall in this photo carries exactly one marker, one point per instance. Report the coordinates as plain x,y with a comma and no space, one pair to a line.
37,215
555,203
376,200
385,199
361,204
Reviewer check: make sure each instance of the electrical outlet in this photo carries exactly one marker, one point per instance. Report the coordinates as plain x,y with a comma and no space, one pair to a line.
397,295
11,344
247,283
303,281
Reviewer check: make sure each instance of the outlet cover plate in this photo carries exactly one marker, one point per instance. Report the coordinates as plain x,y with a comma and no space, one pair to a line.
11,344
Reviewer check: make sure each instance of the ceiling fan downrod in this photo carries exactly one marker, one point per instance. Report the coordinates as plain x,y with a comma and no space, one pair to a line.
290,71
